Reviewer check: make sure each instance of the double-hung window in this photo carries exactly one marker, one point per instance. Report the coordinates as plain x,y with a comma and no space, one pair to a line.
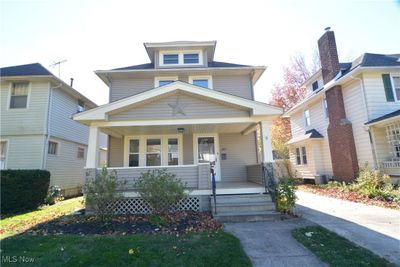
81,153
3,154
307,118
52,148
173,152
301,156
19,95
134,153
396,86
153,152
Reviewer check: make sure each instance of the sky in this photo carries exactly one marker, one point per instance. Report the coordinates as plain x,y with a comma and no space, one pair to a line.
98,35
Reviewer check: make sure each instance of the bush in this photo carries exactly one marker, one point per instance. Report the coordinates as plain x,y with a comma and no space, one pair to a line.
371,182
101,191
160,189
54,195
23,190
285,197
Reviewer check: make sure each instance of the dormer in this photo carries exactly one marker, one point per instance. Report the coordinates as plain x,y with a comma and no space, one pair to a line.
181,54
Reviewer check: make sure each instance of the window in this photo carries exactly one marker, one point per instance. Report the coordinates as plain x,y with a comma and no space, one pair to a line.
307,118
173,153
170,59
393,139
3,154
19,95
396,86
153,152
191,58
81,106
325,105
315,85
53,148
165,82
202,81
134,153
81,153
161,81
301,156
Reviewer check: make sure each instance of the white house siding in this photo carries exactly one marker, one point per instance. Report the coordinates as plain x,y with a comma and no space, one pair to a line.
375,95
355,113
24,151
240,151
306,171
193,107
30,121
63,106
67,171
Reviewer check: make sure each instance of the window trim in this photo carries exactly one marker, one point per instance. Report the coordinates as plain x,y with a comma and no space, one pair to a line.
143,149
162,78
202,77
7,151
77,152
392,75
300,149
10,92
305,118
180,57
57,148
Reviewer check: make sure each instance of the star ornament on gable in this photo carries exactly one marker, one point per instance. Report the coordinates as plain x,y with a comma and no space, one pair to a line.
178,107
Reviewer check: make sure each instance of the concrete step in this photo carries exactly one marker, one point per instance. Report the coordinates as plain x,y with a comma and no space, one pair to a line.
243,198
247,206
247,216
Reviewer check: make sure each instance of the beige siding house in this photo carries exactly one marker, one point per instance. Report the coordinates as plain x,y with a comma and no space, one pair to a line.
187,113
37,131
367,94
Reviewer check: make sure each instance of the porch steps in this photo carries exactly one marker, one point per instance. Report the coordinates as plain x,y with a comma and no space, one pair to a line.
244,208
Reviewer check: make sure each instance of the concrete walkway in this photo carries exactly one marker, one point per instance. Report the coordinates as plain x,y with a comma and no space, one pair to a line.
271,243
375,228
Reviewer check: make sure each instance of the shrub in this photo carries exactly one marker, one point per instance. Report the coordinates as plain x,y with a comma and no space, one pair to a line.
23,190
54,195
101,191
160,189
370,182
285,197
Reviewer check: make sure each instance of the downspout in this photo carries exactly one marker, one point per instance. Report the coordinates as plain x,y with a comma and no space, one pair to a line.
47,130
251,84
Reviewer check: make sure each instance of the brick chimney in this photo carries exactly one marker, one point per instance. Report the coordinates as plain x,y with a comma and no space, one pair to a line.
340,131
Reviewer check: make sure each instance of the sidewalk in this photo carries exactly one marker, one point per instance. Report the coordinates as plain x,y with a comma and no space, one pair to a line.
375,228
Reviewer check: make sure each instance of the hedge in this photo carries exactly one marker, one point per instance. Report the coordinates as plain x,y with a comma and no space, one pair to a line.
23,190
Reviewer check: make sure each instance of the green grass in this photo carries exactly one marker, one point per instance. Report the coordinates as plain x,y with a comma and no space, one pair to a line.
336,250
195,249
19,223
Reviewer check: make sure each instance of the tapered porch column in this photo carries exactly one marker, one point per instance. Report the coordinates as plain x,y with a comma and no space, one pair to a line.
92,157
266,144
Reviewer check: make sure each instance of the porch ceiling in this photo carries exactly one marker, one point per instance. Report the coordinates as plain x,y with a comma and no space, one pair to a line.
173,129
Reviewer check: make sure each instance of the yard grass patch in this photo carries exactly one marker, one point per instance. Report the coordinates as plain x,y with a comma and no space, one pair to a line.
195,249
336,250
19,223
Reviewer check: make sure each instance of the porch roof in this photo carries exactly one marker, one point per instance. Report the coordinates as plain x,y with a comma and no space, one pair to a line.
310,134
385,118
101,113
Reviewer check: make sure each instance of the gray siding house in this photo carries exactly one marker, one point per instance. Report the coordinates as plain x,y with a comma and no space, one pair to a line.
37,130
185,112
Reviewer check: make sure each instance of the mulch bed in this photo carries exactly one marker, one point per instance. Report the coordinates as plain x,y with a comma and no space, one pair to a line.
176,223
350,196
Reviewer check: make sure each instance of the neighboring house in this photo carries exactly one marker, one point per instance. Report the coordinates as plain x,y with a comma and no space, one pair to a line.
350,117
37,130
184,112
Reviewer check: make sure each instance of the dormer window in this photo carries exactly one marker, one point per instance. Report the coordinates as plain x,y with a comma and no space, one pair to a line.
181,58
315,85
161,81
171,59
191,58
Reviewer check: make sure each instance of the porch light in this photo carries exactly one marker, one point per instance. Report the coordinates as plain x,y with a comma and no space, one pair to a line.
181,130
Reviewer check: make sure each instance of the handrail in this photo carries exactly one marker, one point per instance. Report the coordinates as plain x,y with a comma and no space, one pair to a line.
214,188
268,179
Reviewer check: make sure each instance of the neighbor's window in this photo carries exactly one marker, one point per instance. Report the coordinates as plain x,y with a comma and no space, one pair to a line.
171,59
53,148
81,153
393,139
396,86
153,152
315,85
81,106
134,153
19,95
191,58
301,156
325,104
307,118
173,153
3,154
298,156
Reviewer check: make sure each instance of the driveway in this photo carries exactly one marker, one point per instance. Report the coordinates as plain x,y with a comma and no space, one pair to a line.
375,228
271,243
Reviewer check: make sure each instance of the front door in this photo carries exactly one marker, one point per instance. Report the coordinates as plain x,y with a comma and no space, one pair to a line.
207,151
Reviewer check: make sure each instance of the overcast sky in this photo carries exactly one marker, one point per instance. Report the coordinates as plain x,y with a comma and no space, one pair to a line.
93,35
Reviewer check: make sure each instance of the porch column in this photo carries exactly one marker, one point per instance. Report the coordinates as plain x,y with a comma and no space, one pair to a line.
92,157
266,144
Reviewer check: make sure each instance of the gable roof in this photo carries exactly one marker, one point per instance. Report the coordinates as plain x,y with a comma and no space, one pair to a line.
310,134
34,69
101,112
384,117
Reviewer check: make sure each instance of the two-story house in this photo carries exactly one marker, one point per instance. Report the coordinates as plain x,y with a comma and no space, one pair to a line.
185,112
37,130
350,117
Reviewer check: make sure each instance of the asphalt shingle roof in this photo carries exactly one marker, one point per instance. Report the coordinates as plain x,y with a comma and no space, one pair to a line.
213,64
34,69
384,117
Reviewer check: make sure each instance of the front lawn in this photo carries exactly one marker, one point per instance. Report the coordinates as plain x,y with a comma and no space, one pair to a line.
195,249
336,250
19,223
